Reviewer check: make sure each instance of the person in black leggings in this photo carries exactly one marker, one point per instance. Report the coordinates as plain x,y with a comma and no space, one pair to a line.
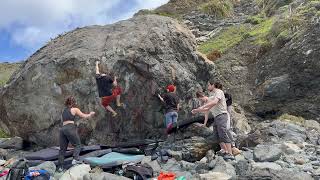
68,131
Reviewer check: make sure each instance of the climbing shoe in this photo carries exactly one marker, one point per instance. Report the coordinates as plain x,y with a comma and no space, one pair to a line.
228,157
74,162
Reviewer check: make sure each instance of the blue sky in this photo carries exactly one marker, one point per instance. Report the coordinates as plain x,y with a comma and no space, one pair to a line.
27,25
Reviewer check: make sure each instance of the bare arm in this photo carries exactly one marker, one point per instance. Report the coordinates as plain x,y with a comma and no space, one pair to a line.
97,67
83,115
115,83
160,97
210,104
178,107
207,106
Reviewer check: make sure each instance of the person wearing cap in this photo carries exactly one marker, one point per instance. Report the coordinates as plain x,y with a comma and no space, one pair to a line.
171,102
108,88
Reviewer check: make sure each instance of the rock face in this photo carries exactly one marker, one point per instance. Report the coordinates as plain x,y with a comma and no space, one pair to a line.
267,153
142,51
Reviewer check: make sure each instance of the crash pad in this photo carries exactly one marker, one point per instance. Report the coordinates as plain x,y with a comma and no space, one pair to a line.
131,144
52,153
113,159
47,154
135,151
67,161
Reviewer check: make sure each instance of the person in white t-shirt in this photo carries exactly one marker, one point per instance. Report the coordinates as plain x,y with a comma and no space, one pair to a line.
217,106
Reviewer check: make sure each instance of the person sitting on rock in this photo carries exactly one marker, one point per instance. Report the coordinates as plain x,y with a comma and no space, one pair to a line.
108,88
218,107
171,101
69,132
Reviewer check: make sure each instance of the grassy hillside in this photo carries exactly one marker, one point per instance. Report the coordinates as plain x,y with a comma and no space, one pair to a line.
178,8
266,30
6,70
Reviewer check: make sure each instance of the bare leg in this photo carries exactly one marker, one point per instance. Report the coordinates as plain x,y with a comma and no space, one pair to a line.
228,148
118,100
109,108
223,146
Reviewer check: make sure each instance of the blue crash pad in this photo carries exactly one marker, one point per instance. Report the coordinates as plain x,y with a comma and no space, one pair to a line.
113,159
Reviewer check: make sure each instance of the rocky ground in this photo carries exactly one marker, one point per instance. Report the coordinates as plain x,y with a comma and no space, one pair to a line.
268,79
275,149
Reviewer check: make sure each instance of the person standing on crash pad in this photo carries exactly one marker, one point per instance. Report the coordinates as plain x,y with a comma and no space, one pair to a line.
69,131
108,88
171,101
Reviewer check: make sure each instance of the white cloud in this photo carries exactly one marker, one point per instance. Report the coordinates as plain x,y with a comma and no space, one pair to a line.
31,23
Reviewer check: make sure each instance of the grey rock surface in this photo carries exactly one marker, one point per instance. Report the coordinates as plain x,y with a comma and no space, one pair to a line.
142,51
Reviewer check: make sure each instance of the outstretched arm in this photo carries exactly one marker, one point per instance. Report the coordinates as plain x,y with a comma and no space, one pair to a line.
83,115
207,106
97,67
160,97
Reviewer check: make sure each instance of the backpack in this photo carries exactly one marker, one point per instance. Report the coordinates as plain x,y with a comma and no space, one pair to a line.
44,175
139,172
18,170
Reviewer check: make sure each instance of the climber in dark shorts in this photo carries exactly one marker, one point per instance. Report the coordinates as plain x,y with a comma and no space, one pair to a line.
69,131
171,102
108,88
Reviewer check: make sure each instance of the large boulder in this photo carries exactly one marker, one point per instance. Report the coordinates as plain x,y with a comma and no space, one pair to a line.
146,52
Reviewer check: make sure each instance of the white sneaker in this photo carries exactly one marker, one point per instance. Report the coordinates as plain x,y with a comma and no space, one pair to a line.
74,162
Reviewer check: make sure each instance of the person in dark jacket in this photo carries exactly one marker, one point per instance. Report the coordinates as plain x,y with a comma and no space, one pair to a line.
171,102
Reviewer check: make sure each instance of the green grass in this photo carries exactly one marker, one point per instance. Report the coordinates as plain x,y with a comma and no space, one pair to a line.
3,134
235,34
226,40
257,19
218,8
269,7
6,70
292,119
261,31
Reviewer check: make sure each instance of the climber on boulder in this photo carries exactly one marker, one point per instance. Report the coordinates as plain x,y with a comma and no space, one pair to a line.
171,102
108,88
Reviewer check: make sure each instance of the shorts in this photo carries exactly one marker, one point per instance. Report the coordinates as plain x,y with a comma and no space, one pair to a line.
220,124
105,101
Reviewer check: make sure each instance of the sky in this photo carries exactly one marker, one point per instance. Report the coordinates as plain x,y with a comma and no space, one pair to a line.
27,25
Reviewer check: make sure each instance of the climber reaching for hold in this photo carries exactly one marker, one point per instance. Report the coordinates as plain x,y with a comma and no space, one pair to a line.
171,102
108,88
